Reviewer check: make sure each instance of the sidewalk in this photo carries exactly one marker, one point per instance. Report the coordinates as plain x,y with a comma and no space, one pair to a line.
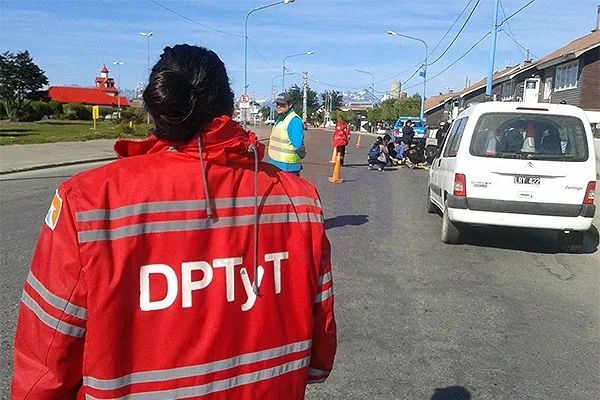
25,157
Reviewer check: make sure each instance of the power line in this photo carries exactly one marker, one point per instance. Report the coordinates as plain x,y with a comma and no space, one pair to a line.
520,46
196,22
516,12
412,76
457,34
260,55
454,23
402,72
511,32
457,60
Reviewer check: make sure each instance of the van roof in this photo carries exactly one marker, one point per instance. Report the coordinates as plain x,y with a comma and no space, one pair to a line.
512,106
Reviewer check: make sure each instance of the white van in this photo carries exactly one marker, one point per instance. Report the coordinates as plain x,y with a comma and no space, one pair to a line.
516,164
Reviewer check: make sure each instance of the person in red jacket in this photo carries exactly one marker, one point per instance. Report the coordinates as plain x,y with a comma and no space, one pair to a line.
341,137
186,269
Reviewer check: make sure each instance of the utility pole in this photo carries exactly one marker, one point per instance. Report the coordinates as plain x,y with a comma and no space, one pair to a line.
490,77
304,89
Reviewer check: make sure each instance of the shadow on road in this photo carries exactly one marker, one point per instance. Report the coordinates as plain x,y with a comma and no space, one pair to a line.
344,220
451,393
529,240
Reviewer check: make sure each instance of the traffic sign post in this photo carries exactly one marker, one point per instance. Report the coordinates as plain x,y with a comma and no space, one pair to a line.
244,101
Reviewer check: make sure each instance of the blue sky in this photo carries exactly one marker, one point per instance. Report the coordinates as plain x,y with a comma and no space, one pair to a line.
70,40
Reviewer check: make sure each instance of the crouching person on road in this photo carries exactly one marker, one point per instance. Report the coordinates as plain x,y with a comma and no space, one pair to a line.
151,278
378,155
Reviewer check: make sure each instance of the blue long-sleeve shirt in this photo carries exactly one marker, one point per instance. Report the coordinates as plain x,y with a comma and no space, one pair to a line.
296,135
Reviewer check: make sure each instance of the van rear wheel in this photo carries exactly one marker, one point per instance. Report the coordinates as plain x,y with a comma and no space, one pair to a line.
450,231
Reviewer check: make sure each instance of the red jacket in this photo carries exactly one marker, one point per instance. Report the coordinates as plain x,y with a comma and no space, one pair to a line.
341,135
134,290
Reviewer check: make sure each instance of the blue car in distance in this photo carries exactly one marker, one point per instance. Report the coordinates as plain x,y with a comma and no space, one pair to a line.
419,128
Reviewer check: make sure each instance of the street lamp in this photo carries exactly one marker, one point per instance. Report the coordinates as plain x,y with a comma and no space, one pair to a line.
372,83
392,33
148,67
308,53
118,64
246,45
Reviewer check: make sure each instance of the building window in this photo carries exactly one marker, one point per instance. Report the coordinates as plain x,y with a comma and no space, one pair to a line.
547,88
507,91
566,76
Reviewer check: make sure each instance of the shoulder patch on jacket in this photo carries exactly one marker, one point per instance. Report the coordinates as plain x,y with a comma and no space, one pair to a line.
54,211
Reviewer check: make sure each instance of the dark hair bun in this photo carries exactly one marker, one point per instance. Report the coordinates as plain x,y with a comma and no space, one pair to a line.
187,89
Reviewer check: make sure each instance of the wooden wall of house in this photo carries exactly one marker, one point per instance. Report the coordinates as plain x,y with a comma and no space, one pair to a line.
570,96
589,81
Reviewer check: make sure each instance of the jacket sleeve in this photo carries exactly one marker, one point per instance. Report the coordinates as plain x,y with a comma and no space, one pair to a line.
52,318
324,332
296,132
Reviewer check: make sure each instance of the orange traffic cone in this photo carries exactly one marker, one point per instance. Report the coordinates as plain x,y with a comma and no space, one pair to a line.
358,142
336,170
332,161
529,142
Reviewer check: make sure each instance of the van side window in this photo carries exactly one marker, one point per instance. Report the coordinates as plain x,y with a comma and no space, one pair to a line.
454,137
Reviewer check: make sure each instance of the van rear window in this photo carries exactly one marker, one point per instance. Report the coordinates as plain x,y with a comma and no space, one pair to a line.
530,136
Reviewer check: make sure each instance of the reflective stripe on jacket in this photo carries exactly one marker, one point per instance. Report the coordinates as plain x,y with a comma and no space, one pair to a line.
135,293
280,146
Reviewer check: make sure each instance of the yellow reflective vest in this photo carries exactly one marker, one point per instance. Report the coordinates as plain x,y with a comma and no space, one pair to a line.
280,146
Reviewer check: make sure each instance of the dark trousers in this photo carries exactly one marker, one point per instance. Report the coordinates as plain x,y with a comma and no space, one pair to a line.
341,150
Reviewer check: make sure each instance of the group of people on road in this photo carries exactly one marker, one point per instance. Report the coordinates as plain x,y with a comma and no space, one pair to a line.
403,151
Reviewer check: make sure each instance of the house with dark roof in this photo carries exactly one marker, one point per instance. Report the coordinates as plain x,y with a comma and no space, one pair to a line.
103,94
570,74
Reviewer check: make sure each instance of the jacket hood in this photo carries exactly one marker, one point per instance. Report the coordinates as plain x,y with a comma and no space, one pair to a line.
223,141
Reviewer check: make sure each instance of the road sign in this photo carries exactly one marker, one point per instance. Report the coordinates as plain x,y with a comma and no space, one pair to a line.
244,101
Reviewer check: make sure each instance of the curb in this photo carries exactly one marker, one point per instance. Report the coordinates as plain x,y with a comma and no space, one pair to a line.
55,165
68,163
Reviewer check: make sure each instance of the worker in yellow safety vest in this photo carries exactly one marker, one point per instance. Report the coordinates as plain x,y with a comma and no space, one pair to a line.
286,145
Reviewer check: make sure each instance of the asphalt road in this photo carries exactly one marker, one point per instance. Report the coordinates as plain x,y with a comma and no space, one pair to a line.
503,316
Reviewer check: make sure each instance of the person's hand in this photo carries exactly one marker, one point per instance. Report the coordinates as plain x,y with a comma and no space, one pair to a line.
301,152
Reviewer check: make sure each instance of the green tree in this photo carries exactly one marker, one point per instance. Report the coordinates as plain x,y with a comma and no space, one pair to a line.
20,78
265,112
409,107
312,103
334,98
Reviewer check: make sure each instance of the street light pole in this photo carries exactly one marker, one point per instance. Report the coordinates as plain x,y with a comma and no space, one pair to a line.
372,83
392,33
308,53
147,68
246,46
118,64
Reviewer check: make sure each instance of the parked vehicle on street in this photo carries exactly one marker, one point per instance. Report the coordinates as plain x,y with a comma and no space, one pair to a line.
517,165
419,127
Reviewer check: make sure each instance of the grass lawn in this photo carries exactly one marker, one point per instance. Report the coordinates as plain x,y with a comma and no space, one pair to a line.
63,131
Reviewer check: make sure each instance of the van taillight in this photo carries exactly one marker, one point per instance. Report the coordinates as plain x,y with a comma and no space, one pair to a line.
397,131
425,133
460,185
590,193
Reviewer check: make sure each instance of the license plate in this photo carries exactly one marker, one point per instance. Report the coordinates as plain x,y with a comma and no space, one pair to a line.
527,180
